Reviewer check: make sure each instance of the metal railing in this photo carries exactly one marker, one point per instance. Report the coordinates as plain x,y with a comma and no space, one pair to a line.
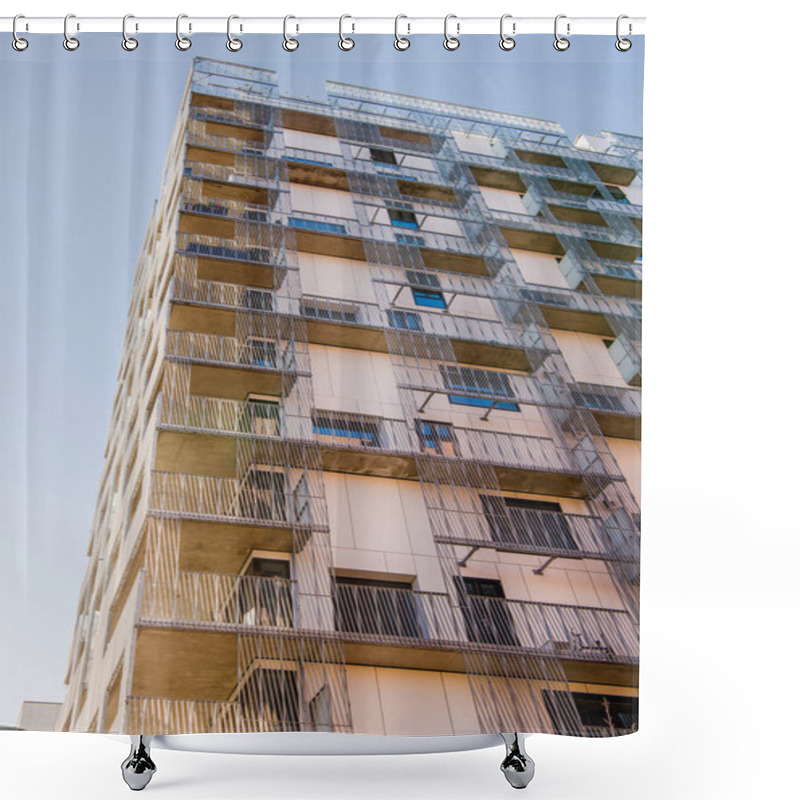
261,353
262,498
604,398
203,599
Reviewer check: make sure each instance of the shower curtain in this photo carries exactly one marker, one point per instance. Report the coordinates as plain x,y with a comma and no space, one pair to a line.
321,385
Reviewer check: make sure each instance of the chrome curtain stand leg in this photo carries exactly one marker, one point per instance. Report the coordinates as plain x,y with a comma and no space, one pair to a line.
517,766
138,768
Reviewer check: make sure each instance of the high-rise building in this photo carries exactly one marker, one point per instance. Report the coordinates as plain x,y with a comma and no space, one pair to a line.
373,456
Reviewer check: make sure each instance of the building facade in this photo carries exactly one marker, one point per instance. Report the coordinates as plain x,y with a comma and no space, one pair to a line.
373,459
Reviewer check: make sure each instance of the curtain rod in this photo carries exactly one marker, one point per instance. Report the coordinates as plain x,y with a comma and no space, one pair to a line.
408,25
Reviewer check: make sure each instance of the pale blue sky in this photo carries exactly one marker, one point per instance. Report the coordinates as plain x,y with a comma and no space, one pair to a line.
84,136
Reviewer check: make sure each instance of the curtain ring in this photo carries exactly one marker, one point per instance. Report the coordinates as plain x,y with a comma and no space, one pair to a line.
451,42
400,42
128,42
233,44
561,43
181,42
623,45
70,42
289,43
18,43
345,43
506,42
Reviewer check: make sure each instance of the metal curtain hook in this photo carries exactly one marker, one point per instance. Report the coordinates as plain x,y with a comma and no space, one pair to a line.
506,42
561,43
400,42
623,45
289,44
233,44
18,43
128,42
182,42
451,42
345,43
70,42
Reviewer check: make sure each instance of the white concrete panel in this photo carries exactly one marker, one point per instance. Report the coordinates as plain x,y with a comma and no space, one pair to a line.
540,268
588,358
413,703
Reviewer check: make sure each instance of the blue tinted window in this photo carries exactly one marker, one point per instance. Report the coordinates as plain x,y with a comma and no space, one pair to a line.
429,298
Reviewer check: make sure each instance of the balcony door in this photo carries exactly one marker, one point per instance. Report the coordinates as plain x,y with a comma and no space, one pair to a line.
263,495
265,596
528,523
486,614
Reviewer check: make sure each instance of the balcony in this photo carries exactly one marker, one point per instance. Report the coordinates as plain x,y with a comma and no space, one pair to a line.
226,366
410,619
220,259
569,310
255,181
613,276
553,534
267,512
219,602
346,238
618,410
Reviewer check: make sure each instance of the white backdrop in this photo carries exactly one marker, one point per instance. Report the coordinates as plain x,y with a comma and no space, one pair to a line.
720,599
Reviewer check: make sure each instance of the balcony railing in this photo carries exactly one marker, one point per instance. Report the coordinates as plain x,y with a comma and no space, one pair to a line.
384,614
581,301
259,353
247,117
387,615
169,715
221,249
203,599
262,498
197,137
549,532
225,295
612,399
572,632
219,415
248,176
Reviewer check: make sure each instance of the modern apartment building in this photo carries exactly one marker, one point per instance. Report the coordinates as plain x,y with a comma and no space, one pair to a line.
373,458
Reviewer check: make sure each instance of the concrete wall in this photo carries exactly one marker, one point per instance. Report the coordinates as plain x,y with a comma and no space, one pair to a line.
588,358
540,268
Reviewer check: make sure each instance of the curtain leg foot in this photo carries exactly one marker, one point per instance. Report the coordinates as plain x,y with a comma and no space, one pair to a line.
517,766
138,768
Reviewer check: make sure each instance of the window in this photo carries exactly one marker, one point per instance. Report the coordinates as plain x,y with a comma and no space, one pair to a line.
598,399
617,193
527,523
486,614
419,278
378,608
437,437
261,417
270,697
382,156
338,313
259,353
602,715
414,241
478,381
347,431
257,299
264,596
263,495
314,225
403,219
546,298
404,320
429,298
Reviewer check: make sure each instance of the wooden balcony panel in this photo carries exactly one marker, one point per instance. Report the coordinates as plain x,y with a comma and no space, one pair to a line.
580,215
531,240
498,179
318,175
427,191
295,120
611,173
454,262
329,244
161,659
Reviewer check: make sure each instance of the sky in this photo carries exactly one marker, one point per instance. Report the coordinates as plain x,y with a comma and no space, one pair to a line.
83,137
